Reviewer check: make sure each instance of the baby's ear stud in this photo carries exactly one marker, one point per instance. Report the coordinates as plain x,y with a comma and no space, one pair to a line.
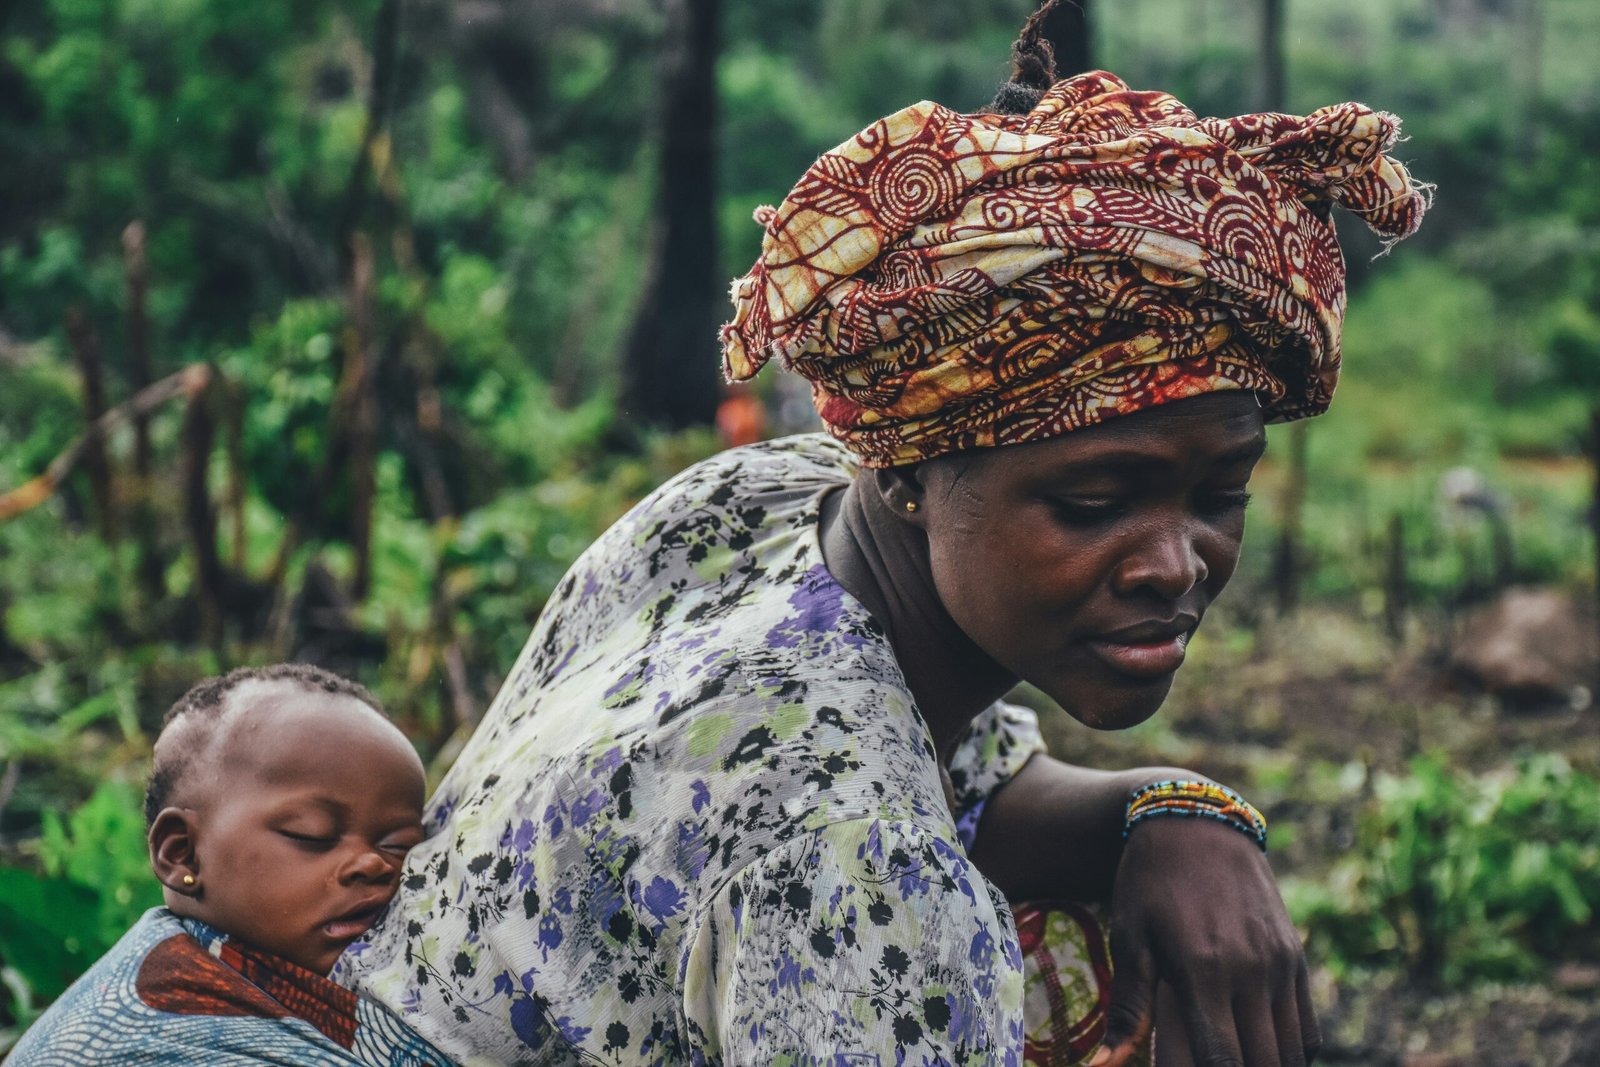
188,879
911,506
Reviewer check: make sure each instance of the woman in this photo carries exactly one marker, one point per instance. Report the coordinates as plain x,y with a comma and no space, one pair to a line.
748,795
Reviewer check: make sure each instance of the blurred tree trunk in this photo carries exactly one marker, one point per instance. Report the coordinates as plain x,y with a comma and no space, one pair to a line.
1529,59
1070,33
1594,518
151,566
86,351
357,402
1289,559
199,517
139,371
238,474
375,134
354,416
669,366
1274,79
1396,583
1288,563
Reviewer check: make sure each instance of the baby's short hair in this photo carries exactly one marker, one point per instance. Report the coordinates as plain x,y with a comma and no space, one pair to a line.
203,705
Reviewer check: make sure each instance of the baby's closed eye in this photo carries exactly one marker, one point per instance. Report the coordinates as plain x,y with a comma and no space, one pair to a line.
310,840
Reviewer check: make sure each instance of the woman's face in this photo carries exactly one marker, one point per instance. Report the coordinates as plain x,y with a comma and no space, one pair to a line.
1082,564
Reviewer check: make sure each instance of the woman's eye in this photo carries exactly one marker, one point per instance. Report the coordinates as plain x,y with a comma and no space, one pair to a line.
1086,510
1221,501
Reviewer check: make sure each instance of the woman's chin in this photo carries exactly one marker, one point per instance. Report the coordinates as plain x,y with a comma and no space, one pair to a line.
1113,707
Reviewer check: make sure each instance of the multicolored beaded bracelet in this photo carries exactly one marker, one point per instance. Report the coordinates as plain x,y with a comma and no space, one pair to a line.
1197,799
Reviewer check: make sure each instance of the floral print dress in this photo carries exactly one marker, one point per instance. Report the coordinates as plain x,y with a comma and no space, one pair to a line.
703,822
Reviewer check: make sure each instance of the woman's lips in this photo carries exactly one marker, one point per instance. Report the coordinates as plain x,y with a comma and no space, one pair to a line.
1143,659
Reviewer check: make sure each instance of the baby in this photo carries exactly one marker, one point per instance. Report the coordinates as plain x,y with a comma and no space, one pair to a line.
280,810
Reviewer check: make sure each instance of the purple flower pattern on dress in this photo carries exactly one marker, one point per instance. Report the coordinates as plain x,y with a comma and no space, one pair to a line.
702,822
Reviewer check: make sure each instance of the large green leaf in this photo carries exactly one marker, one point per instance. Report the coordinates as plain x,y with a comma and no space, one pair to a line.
47,929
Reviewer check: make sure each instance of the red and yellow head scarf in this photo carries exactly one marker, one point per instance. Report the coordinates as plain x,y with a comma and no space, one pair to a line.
952,281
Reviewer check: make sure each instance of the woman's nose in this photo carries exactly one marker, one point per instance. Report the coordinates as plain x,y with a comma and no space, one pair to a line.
1168,562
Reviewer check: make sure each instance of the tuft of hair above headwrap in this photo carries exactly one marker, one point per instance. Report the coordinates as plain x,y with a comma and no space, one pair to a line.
951,281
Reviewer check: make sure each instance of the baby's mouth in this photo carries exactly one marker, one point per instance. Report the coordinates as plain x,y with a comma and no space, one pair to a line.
353,924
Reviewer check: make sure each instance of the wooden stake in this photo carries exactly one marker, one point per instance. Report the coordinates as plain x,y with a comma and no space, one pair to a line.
140,373
361,409
1594,458
1395,585
237,476
86,352
1289,563
199,517
152,576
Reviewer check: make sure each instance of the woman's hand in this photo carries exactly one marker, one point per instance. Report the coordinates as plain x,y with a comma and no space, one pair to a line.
1195,906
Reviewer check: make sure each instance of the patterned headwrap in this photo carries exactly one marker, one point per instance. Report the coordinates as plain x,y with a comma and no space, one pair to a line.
952,281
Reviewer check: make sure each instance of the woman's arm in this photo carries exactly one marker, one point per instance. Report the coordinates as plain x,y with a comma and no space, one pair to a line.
1193,904
1054,831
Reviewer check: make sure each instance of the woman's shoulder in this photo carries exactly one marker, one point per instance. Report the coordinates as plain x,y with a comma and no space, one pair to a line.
813,455
712,541
778,473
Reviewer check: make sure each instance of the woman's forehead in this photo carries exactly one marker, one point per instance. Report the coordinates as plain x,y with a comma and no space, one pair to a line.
1218,428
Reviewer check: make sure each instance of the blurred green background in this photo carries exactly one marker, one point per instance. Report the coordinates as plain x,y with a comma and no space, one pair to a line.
426,265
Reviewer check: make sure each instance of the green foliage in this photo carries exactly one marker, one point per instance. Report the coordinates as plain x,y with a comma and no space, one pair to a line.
95,882
42,944
290,372
38,412
102,845
509,207
1461,878
1432,352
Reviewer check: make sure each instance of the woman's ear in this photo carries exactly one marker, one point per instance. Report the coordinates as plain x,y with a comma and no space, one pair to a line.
900,491
172,851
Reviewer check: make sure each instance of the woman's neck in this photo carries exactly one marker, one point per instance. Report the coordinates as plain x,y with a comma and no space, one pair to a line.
882,561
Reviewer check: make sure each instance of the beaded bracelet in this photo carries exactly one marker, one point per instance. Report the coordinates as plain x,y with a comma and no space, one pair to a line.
1197,799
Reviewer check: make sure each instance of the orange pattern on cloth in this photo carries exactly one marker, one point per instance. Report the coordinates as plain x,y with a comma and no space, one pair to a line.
951,281
182,977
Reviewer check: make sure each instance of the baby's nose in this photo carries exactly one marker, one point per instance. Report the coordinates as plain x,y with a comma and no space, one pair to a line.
369,864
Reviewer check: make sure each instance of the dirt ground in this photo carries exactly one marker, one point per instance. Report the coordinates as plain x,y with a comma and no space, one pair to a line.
1286,708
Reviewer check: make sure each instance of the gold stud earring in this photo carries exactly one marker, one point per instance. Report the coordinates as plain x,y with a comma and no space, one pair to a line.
188,879
911,505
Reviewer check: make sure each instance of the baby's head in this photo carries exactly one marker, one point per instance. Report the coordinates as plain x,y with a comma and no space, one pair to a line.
280,809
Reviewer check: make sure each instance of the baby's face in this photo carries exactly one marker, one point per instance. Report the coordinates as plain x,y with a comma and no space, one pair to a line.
301,833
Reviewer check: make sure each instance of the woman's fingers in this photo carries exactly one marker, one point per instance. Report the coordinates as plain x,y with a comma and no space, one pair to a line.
1310,1031
1131,1011
1205,915
1269,1029
1171,1040
1271,1025
1194,1032
1207,1021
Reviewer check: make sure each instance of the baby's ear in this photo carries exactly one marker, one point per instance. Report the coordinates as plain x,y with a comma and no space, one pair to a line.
172,851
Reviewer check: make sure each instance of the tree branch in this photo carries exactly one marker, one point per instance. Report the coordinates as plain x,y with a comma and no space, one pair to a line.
188,382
